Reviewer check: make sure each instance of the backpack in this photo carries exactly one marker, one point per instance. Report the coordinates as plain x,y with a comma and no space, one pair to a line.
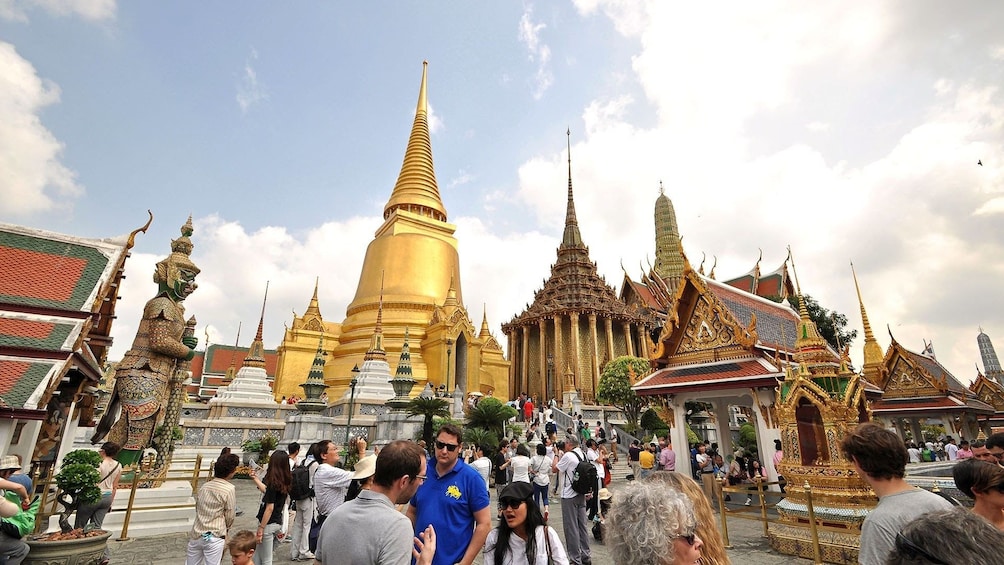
551,428
299,488
584,476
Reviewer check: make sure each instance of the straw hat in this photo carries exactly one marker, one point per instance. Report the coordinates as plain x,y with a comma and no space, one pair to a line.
9,462
604,494
365,467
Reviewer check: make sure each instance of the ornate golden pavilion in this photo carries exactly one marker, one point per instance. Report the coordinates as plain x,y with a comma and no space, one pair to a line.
414,264
575,325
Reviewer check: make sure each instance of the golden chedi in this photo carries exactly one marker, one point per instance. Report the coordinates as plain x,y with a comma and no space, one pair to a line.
413,261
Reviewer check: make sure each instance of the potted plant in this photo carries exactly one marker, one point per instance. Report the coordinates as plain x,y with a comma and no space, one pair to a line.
259,448
77,483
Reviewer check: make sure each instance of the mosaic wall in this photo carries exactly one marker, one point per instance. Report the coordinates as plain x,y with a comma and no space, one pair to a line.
252,413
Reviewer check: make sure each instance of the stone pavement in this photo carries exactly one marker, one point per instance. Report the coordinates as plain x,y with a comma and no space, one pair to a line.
749,547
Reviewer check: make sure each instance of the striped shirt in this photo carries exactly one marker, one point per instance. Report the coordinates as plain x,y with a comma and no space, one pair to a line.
215,508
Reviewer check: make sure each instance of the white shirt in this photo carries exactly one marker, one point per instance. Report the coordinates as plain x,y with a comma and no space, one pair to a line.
520,465
517,548
330,486
593,457
540,465
566,466
914,455
953,451
483,466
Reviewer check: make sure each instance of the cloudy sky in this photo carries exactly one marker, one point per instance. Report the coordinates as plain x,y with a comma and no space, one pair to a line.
850,132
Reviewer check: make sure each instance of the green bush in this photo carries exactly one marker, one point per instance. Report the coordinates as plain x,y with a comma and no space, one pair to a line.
77,480
651,421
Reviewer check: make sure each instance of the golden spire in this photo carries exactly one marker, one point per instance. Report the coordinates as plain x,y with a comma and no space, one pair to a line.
376,350
485,332
416,189
313,308
571,238
872,349
232,370
808,338
256,353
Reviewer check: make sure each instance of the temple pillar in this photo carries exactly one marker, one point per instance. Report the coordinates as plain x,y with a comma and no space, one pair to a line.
627,339
643,336
678,435
511,350
558,361
573,362
524,363
897,424
918,434
723,434
593,352
541,389
766,434
608,325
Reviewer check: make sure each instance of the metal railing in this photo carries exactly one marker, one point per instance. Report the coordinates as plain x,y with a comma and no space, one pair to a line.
759,512
140,476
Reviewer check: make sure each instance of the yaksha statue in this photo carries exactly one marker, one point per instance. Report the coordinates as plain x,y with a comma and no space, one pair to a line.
143,376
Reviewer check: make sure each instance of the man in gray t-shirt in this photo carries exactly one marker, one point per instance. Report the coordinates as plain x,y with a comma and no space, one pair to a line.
880,458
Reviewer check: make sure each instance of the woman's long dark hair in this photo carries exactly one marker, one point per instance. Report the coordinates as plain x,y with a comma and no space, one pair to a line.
278,475
533,519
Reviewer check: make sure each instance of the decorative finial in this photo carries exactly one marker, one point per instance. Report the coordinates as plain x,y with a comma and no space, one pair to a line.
132,236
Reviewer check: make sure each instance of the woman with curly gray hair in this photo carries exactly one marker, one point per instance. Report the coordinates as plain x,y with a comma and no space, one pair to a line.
652,525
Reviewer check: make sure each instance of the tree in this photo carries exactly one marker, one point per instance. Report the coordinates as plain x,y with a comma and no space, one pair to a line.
615,387
428,409
831,324
747,440
490,414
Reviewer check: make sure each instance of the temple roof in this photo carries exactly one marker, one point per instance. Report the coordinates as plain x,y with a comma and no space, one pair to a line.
772,284
574,285
776,323
57,301
940,403
741,373
416,189
217,359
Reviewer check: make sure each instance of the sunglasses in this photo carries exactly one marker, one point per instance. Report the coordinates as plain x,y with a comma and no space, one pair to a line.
510,503
451,447
690,538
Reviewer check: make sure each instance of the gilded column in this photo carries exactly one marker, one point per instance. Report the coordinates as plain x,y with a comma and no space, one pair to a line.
627,338
593,348
609,325
559,361
524,363
511,348
573,361
643,335
541,386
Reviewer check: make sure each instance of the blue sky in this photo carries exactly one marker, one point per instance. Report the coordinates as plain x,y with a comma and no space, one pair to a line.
847,132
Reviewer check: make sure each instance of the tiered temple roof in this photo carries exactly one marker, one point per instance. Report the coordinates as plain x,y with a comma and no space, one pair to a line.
775,284
57,304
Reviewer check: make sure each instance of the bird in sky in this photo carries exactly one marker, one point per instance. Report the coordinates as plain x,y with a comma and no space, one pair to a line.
980,162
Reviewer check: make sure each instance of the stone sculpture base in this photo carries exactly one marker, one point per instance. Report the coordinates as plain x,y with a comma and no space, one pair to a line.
306,429
796,539
396,425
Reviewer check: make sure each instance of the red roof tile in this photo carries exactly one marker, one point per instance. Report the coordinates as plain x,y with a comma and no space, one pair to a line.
942,403
26,328
51,277
776,323
218,359
725,373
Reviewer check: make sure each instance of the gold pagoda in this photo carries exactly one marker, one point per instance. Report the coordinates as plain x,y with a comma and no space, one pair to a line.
413,260
821,400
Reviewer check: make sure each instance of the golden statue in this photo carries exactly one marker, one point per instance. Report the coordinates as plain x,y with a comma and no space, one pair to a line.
143,376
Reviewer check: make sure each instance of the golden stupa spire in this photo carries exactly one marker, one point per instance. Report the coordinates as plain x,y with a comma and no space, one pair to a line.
232,370
416,189
872,349
376,350
571,238
313,308
485,332
808,338
256,353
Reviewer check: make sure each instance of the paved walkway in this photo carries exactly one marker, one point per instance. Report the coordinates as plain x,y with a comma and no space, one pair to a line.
749,547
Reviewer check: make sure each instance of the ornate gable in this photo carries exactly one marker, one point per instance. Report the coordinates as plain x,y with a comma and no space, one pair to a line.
988,391
909,380
701,328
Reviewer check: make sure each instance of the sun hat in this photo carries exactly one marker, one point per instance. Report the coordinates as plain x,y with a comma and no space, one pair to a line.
604,494
8,462
365,467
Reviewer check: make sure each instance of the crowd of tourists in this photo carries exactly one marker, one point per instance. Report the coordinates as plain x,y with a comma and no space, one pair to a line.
404,503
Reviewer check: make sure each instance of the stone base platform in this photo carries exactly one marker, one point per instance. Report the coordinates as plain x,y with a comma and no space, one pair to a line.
145,520
834,547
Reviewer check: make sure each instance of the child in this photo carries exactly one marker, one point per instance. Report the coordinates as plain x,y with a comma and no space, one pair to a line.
241,547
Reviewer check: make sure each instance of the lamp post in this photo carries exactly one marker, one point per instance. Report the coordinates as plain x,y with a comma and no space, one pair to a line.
550,378
352,400
449,350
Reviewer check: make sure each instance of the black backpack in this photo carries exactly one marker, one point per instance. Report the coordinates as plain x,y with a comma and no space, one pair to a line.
300,489
584,476
551,428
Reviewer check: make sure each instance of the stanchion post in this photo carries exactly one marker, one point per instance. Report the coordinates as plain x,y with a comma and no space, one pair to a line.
132,499
196,472
763,504
817,559
725,522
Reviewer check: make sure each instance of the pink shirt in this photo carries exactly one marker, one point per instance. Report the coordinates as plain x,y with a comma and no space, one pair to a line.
778,455
964,454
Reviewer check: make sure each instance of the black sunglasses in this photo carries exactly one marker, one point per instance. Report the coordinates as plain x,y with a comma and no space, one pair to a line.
690,538
510,503
909,549
451,447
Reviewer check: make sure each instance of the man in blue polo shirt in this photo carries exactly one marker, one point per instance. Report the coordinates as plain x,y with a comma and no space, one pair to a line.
454,500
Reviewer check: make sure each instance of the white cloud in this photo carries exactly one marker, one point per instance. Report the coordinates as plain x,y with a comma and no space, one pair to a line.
93,10
249,90
821,127
539,52
462,178
435,122
33,180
